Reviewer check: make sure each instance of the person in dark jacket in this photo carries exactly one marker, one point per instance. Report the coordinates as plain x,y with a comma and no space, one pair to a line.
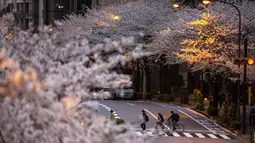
143,121
174,118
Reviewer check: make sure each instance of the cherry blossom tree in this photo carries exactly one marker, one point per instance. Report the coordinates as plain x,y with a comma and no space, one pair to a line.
36,68
139,18
29,113
66,63
210,41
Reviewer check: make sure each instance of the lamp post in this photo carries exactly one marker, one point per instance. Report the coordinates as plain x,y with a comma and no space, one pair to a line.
206,3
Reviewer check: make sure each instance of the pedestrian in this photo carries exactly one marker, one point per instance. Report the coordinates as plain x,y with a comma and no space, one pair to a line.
160,121
112,117
251,111
145,119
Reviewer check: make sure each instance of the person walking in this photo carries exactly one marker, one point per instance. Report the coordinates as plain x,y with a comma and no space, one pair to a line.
145,119
251,111
160,122
112,117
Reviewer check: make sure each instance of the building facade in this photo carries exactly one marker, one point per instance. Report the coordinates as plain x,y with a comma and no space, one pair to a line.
22,10
43,12
56,9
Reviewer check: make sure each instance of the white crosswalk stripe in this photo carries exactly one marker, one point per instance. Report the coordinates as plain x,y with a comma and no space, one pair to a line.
176,135
138,133
200,135
225,137
189,135
212,136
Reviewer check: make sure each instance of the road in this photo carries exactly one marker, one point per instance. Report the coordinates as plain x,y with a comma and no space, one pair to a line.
198,129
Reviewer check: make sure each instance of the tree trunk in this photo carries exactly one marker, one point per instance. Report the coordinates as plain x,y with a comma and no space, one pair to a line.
161,78
216,90
146,77
133,77
215,94
137,77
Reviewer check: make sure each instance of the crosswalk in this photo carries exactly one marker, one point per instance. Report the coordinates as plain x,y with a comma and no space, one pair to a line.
188,135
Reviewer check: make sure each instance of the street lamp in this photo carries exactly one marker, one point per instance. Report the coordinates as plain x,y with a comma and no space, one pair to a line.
176,5
206,3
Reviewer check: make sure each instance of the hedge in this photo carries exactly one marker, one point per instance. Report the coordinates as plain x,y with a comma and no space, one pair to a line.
119,121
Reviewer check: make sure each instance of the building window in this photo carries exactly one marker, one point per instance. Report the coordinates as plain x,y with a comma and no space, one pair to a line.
21,7
26,24
17,6
30,24
30,7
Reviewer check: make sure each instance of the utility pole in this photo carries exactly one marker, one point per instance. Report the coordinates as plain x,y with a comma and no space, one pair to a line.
245,86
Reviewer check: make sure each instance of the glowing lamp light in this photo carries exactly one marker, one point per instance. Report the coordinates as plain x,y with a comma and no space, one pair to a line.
205,99
82,123
51,29
176,5
206,2
250,61
116,17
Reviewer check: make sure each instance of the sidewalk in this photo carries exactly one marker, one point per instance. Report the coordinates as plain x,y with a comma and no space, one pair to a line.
249,128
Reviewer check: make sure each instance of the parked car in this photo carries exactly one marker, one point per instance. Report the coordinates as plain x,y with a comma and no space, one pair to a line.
97,93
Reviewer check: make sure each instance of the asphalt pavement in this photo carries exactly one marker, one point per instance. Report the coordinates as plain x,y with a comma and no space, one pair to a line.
197,128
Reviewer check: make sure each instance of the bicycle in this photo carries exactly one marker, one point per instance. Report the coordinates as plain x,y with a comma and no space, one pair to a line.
178,127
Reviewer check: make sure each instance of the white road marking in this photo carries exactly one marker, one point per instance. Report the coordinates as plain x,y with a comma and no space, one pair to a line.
160,104
109,109
200,135
139,134
196,121
176,135
151,114
130,104
188,135
196,130
150,134
213,136
224,136
196,113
